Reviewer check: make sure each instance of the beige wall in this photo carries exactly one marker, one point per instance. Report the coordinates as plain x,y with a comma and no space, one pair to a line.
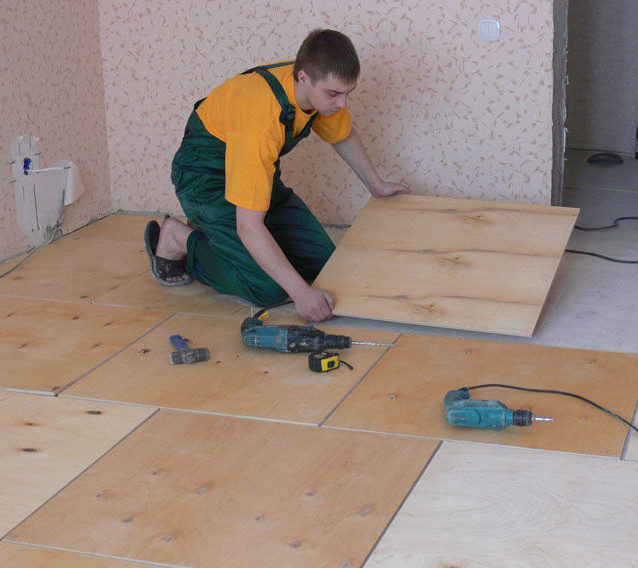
438,109
51,86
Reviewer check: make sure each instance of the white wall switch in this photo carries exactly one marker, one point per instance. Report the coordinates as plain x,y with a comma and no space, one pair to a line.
489,30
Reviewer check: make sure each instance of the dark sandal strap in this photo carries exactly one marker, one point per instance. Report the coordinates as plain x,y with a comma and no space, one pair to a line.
169,268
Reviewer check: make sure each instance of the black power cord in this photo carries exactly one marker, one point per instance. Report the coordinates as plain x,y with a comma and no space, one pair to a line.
564,393
612,226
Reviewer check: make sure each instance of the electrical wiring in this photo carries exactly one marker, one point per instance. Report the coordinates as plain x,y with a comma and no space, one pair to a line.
597,255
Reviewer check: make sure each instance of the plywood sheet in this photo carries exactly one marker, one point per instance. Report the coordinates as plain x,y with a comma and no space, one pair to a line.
405,390
76,269
237,380
118,227
207,491
455,263
45,344
46,442
145,292
503,507
21,556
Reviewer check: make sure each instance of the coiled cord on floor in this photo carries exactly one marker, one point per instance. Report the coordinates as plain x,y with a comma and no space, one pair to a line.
612,226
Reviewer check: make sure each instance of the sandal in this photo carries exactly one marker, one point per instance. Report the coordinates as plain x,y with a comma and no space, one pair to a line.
163,268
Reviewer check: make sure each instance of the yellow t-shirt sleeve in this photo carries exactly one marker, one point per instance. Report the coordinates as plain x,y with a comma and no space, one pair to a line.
250,167
335,128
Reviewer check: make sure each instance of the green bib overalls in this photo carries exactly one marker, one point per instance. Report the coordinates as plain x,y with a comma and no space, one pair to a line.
216,255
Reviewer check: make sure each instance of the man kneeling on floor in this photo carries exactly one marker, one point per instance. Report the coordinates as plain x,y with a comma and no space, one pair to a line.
254,236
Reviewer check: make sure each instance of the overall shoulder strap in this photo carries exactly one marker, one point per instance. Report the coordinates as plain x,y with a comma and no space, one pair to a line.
287,116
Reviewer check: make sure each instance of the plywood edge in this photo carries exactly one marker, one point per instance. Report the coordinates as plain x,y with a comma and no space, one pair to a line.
528,332
467,205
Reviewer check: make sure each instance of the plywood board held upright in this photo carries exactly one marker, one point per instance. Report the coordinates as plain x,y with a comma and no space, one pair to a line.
456,263
207,491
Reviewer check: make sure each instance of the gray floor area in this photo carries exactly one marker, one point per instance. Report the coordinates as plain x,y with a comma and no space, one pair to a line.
592,303
579,174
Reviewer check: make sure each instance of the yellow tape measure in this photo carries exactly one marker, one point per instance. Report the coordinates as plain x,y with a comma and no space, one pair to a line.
322,362
325,361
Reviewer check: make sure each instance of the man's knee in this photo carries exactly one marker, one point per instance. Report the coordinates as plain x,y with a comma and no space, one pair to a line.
265,293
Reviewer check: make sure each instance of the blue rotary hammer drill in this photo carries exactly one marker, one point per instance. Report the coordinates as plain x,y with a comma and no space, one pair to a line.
460,410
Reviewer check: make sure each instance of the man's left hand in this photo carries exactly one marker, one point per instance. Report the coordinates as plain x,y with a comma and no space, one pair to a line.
388,188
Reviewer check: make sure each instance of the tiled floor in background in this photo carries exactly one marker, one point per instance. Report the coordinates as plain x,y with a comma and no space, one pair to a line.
267,486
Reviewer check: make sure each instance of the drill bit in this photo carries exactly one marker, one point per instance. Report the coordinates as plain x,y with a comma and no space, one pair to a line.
373,343
542,419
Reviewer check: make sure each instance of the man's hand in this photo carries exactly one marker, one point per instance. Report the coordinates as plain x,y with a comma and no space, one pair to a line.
388,188
313,304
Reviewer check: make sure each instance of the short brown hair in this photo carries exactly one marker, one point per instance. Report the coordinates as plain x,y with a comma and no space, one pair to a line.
327,51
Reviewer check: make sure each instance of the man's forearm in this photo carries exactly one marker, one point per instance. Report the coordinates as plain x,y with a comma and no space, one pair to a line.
352,152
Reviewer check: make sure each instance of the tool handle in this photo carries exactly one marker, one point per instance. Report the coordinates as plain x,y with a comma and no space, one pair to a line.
179,342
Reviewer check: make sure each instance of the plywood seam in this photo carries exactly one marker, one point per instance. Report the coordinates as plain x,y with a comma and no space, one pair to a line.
199,411
94,554
630,432
339,403
405,498
27,391
74,381
79,474
488,444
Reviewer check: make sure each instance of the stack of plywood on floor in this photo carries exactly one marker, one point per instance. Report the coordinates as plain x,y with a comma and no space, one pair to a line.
250,459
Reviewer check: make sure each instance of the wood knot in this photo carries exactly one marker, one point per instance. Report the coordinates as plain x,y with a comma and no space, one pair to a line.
94,412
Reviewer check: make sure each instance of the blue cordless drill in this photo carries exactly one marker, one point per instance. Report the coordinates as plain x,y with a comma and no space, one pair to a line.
460,410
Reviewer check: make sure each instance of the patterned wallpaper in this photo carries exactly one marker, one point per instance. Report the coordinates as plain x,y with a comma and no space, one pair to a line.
436,108
52,87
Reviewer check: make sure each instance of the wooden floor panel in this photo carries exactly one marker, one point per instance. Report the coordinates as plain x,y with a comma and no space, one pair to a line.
456,263
46,344
501,507
237,380
207,491
405,390
21,556
145,292
118,227
76,269
46,442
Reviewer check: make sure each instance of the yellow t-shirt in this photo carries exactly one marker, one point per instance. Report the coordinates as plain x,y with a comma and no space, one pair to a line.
244,113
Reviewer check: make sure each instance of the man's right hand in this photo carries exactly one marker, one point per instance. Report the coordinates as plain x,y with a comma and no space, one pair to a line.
314,305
